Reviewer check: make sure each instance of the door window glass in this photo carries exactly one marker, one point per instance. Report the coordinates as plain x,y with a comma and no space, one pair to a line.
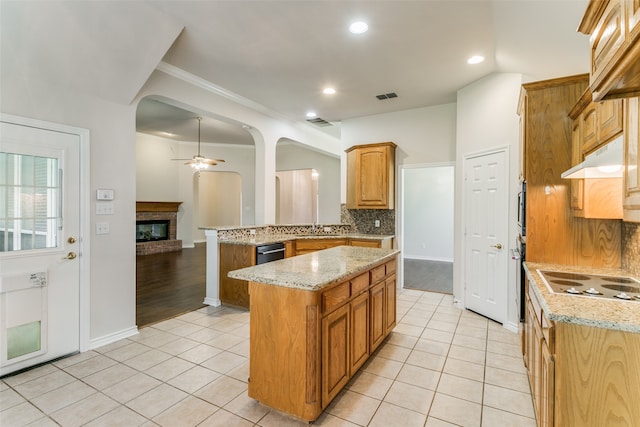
29,202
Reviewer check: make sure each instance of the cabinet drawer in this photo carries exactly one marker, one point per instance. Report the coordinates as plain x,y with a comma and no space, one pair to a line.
359,284
335,297
377,274
391,267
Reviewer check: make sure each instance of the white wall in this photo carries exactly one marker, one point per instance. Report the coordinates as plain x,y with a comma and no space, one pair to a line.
218,200
428,212
156,174
295,156
487,118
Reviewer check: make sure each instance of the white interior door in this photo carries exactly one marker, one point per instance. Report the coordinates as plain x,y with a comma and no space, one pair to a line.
486,231
39,245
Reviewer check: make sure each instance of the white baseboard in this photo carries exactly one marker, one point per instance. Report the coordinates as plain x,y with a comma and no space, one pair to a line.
116,336
513,327
427,258
212,302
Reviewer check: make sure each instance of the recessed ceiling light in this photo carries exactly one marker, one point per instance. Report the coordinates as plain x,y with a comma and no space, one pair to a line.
358,27
476,59
328,91
311,114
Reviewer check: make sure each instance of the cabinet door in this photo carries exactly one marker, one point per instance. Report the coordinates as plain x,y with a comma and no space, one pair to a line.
390,304
607,38
335,353
547,386
609,117
232,257
589,128
376,313
577,185
359,331
631,154
373,179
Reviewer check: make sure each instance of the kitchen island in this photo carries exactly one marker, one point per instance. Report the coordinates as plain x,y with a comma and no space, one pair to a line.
314,321
582,353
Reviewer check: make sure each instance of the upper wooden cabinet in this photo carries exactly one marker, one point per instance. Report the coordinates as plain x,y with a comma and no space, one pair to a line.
371,176
613,26
632,169
552,232
594,125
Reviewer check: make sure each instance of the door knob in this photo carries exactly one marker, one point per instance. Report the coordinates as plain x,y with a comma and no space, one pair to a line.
497,246
71,255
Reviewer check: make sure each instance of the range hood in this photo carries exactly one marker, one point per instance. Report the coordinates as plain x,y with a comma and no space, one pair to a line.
605,162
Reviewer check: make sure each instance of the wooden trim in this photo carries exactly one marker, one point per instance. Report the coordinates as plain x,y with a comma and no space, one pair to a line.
378,144
582,103
592,15
157,206
545,84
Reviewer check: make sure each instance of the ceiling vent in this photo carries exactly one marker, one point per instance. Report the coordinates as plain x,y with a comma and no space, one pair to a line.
319,122
387,96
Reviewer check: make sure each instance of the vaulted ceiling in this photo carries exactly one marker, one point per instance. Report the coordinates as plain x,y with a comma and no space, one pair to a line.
281,54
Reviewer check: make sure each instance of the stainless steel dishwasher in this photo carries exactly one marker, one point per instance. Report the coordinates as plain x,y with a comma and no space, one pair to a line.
268,253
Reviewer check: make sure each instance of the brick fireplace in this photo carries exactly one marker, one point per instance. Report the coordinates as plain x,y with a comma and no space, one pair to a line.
157,213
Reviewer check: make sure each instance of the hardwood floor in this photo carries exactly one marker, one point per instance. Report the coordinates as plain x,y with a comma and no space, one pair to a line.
169,284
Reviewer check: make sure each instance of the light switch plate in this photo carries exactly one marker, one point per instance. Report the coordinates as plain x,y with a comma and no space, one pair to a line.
104,194
104,208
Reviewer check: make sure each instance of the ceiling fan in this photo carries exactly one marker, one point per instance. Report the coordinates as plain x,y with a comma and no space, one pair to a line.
198,161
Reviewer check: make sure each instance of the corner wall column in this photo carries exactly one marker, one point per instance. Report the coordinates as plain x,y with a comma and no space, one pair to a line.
212,296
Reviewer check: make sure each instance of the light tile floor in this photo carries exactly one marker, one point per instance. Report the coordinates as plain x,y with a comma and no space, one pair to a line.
440,367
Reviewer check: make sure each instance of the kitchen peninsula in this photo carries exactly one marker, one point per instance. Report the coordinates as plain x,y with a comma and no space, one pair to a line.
234,247
315,319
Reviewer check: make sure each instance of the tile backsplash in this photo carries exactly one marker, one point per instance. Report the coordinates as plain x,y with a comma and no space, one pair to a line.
364,220
631,247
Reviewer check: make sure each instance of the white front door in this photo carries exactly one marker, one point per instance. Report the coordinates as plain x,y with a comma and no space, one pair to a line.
39,245
486,231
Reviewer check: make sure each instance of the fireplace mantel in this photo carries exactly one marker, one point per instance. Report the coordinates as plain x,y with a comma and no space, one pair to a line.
157,206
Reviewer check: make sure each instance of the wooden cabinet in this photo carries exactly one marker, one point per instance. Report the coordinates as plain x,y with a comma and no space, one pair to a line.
594,125
615,47
306,345
233,257
631,202
365,243
304,246
539,358
580,376
289,248
371,176
335,352
553,234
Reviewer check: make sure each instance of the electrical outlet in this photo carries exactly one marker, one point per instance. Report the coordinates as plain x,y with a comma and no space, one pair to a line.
252,232
327,229
377,223
102,228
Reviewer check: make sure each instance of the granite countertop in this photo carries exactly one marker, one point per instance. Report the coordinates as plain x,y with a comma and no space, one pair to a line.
316,270
277,238
602,313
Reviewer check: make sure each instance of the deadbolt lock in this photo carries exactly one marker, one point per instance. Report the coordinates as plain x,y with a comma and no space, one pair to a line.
71,240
